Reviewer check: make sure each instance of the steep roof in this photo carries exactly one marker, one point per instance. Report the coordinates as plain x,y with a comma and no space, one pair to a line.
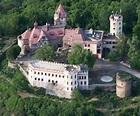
61,11
35,34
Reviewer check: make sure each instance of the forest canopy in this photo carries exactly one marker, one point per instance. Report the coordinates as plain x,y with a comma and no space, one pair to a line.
18,15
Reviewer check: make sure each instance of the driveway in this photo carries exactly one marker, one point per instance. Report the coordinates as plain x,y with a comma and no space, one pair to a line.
107,65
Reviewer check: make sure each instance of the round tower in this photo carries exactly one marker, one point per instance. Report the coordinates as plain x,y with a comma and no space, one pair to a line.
116,24
123,84
60,16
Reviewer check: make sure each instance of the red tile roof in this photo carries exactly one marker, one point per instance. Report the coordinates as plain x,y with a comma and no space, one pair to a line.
61,11
74,36
36,34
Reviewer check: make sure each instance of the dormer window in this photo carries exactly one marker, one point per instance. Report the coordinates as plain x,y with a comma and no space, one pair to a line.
34,36
60,32
52,33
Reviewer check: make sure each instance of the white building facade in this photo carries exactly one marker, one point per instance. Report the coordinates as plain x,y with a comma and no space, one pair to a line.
58,79
116,24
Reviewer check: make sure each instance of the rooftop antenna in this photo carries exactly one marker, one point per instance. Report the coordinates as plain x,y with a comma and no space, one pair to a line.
112,12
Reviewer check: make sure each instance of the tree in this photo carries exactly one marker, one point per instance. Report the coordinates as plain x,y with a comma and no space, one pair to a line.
77,96
112,55
46,52
80,56
122,46
13,52
134,53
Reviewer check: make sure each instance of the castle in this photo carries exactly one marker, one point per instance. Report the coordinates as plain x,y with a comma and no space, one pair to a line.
58,79
93,40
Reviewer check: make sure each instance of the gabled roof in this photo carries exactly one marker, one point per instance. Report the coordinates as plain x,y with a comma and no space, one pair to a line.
35,34
61,11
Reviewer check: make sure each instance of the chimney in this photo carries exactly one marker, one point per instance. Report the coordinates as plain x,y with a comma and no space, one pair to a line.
47,26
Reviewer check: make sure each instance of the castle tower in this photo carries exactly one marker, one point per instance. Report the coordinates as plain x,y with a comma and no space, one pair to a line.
60,16
116,24
123,84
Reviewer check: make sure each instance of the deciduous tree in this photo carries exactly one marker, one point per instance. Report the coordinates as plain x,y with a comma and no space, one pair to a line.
80,56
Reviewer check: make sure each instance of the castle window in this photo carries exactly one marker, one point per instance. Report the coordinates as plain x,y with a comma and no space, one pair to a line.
55,75
52,81
85,45
81,82
88,49
42,73
38,79
119,28
110,42
56,81
113,23
119,23
88,45
98,51
41,79
71,83
75,82
63,76
38,73
67,88
113,28
84,77
31,76
75,76
113,42
34,72
52,75
49,74
71,77
79,77
71,88
113,46
49,80
85,82
35,78
45,73
67,83
59,75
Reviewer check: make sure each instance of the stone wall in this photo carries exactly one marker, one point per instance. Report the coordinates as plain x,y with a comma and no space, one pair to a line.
110,86
23,71
12,64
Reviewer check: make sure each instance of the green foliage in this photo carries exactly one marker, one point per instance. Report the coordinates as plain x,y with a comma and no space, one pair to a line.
134,53
77,96
46,52
122,46
12,100
78,55
13,52
23,13
112,56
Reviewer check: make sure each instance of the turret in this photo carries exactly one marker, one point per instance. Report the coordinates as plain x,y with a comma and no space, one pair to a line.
60,16
116,24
